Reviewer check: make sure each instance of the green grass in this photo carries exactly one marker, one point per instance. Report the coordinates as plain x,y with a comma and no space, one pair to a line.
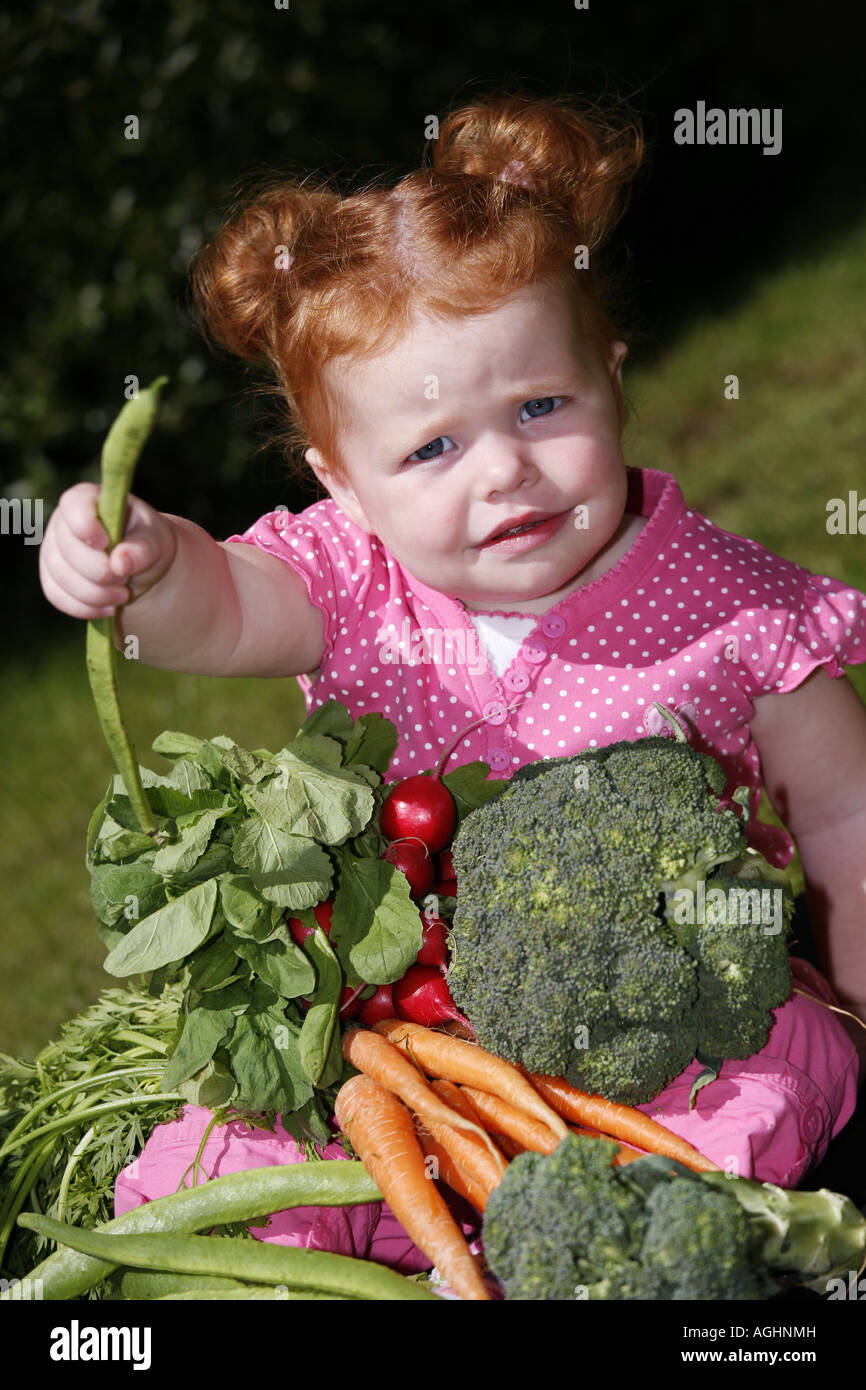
763,466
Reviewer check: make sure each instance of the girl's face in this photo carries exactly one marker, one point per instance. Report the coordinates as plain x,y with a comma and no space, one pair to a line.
467,427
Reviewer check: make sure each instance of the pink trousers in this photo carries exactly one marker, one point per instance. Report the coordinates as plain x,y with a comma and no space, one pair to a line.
769,1118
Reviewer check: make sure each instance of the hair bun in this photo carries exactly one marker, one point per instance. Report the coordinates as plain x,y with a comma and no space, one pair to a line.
239,281
576,157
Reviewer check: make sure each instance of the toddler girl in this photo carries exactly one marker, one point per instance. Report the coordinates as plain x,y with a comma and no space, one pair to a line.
454,379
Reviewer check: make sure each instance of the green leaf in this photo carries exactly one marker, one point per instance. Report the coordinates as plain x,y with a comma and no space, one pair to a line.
188,849
94,824
280,963
287,869
470,787
246,766
317,1032
373,742
120,889
248,912
711,1068
266,1061
205,1027
375,927
174,745
170,934
214,1086
326,803
117,844
331,719
213,965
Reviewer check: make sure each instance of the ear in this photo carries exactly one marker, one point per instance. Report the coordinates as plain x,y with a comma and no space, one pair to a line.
340,489
615,358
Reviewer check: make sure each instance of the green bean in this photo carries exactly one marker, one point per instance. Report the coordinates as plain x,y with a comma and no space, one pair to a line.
252,1260
135,1284
123,444
263,1292
243,1196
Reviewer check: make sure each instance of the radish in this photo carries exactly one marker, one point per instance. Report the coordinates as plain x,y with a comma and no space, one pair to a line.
422,806
322,913
412,858
434,940
422,996
380,1005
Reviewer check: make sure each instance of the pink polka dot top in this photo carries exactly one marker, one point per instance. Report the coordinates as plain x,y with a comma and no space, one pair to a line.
692,616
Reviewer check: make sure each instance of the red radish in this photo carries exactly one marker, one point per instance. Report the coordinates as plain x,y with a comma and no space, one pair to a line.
411,857
445,865
322,913
421,806
434,940
422,996
380,1005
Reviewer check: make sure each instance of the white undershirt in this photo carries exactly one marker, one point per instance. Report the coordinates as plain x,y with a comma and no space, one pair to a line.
501,636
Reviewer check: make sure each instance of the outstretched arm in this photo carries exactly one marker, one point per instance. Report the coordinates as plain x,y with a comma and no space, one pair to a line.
812,744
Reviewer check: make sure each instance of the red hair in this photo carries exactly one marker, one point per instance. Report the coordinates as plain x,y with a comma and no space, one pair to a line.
299,275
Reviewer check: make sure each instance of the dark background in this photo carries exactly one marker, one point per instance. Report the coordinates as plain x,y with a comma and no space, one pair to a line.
97,230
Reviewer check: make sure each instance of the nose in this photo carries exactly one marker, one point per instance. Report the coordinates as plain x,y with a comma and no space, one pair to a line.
501,465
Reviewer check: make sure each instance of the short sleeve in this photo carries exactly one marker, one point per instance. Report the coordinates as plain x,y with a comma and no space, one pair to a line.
293,539
826,628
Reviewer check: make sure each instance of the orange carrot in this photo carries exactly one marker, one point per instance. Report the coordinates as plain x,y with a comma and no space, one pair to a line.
502,1118
444,1056
378,1058
620,1122
380,1130
449,1171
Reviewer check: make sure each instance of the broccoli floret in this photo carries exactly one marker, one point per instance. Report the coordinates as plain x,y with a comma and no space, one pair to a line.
569,1225
571,952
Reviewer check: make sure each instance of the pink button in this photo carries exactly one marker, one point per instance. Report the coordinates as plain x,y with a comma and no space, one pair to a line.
498,759
552,625
518,679
811,1124
536,652
494,712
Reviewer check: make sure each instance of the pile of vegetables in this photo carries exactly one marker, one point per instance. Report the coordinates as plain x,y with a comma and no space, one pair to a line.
606,924
295,919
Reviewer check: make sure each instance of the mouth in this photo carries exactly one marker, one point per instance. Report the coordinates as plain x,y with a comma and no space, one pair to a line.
524,530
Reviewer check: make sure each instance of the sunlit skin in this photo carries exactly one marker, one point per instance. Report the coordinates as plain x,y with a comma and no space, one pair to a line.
527,420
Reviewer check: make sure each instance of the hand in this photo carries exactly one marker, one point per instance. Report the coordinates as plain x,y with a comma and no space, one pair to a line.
78,575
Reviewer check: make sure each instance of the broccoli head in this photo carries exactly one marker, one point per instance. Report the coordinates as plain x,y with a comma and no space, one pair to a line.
570,1225
576,948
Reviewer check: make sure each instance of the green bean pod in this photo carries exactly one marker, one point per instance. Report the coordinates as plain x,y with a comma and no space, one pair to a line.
123,444
243,1196
251,1260
136,1284
247,1291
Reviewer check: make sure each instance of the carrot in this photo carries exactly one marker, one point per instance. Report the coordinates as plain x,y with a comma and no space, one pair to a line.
376,1057
449,1171
502,1118
620,1122
381,1131
444,1056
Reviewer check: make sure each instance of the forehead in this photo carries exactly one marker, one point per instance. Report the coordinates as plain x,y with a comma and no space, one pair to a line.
535,332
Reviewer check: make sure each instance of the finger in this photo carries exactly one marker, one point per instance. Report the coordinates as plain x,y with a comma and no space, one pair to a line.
83,592
78,555
78,508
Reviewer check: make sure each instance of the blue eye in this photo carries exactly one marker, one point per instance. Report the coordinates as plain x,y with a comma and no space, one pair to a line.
542,405
429,451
